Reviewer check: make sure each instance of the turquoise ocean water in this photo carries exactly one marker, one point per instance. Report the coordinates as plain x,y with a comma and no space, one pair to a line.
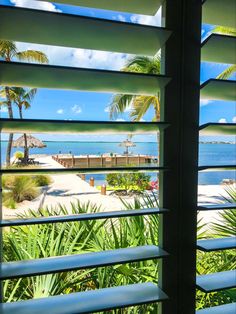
209,154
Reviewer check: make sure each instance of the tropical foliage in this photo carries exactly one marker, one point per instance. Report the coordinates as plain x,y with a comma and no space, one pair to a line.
219,261
38,241
230,70
137,106
128,182
9,52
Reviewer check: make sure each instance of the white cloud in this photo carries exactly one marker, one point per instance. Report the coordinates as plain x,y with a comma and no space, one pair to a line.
121,18
148,20
234,119
107,109
3,109
120,120
76,109
60,111
39,5
205,102
222,120
79,57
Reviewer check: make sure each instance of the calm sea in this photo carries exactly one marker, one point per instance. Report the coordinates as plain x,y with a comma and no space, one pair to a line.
209,154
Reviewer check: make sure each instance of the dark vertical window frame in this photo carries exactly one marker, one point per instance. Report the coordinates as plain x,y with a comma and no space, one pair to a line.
177,275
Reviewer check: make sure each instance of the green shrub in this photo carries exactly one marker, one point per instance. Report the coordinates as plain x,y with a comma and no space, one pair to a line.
42,180
129,181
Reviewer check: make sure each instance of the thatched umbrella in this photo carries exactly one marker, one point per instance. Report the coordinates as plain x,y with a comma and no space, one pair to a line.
32,142
127,143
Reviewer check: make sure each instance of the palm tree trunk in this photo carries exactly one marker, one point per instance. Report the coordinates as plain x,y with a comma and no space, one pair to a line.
26,150
10,139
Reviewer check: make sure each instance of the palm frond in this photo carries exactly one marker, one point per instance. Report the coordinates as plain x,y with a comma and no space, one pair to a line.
227,73
7,49
140,106
224,30
3,103
119,104
226,224
26,104
143,64
30,94
32,55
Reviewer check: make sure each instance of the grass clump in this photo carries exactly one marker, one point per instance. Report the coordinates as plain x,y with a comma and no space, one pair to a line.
42,180
18,189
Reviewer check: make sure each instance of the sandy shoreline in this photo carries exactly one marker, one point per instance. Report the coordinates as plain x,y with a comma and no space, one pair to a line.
68,188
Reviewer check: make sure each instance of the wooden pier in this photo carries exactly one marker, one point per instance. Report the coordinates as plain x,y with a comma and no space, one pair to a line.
86,161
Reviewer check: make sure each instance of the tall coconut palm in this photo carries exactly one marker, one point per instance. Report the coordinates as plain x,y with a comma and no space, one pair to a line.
138,105
22,98
229,71
9,52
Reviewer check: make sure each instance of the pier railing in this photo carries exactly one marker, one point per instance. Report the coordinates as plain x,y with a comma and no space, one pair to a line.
70,161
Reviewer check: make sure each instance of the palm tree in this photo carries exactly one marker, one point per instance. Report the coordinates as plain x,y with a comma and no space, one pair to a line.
229,71
9,52
138,105
22,99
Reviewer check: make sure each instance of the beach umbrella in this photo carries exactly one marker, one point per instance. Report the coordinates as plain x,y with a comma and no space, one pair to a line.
32,142
127,143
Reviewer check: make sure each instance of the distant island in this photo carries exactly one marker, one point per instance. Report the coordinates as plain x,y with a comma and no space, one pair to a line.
216,142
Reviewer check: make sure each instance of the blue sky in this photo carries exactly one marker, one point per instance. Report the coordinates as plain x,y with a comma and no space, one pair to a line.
59,104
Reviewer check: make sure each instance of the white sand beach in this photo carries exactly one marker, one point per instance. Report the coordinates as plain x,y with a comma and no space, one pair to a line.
67,188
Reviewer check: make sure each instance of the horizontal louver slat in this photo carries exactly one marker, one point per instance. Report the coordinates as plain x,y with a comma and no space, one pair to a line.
221,309
218,129
82,261
215,89
68,78
82,217
209,245
89,301
75,31
138,6
217,167
217,12
217,206
217,281
219,48
104,170
87,127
